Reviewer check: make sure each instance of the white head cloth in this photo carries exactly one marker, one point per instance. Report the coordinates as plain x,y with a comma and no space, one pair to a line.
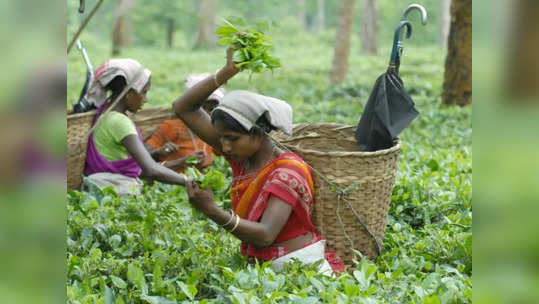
247,107
128,68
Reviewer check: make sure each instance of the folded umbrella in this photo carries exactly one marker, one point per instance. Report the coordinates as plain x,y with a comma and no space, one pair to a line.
389,108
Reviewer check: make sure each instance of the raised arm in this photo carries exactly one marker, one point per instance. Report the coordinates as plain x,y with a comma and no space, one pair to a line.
188,107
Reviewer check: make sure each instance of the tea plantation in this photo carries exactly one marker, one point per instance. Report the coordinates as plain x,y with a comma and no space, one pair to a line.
156,249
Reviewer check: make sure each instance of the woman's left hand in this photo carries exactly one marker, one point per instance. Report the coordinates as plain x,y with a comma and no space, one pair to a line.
202,199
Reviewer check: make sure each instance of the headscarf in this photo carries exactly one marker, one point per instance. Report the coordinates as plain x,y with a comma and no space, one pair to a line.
247,107
193,79
105,73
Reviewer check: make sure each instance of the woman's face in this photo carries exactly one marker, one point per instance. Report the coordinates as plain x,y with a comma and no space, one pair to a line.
136,100
237,146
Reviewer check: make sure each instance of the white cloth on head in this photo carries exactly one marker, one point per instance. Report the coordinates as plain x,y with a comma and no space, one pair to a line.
193,79
247,107
307,255
130,69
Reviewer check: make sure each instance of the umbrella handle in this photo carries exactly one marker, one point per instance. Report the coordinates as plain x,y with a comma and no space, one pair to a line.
81,6
418,7
397,45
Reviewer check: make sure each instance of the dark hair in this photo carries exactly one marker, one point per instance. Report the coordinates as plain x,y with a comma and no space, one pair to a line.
261,126
116,85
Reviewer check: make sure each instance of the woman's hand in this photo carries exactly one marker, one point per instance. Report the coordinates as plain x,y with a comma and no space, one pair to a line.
200,156
230,64
202,199
167,149
229,70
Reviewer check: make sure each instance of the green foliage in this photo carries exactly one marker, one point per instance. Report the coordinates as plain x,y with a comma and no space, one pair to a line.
185,258
250,45
192,161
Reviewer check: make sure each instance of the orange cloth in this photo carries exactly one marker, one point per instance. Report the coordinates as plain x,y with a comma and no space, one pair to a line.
174,130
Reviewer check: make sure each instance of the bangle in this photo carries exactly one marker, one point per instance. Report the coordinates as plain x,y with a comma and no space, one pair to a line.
229,220
236,224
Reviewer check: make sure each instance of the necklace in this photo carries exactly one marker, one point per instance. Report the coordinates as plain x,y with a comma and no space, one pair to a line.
246,165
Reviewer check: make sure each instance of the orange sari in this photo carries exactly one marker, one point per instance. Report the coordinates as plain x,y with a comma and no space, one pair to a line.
176,131
290,179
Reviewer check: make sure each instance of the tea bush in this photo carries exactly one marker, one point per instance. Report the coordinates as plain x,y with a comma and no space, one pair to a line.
156,249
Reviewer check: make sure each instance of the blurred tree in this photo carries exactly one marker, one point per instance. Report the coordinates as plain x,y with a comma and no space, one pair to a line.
206,23
522,77
170,32
444,21
300,11
342,43
121,31
368,19
458,64
169,11
321,15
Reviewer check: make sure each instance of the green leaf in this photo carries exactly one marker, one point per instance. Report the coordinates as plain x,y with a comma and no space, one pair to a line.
225,41
189,290
136,276
108,296
432,299
118,282
115,241
192,161
433,165
157,300
226,31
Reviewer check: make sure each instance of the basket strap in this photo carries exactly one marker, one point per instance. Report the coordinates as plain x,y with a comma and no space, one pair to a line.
376,242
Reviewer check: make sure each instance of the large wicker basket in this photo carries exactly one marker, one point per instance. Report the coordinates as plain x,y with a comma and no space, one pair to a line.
350,211
78,126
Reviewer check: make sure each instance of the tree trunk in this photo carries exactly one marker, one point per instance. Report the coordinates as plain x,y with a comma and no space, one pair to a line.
121,30
170,32
301,14
443,22
369,26
206,24
522,77
342,43
458,63
321,16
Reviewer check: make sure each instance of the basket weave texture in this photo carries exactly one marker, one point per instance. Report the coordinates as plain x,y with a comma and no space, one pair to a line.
352,219
78,125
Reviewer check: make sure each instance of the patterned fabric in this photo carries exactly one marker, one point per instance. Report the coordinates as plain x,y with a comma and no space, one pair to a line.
176,131
288,178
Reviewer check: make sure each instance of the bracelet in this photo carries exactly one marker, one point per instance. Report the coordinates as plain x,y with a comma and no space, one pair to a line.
229,220
236,224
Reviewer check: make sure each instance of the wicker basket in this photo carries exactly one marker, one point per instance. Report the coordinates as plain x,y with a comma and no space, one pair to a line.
78,126
357,217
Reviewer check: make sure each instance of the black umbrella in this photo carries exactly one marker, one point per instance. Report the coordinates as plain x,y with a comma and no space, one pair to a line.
389,109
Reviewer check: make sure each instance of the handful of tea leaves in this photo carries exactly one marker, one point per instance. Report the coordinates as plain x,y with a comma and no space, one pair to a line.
192,161
213,178
251,45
